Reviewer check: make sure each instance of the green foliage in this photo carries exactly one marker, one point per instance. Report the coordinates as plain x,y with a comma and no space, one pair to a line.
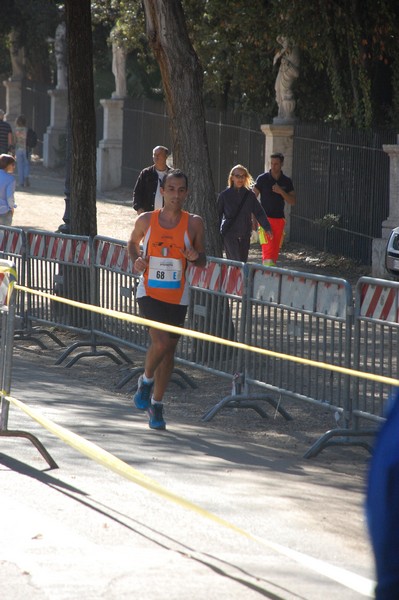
328,221
236,51
356,43
35,21
125,23
349,50
349,54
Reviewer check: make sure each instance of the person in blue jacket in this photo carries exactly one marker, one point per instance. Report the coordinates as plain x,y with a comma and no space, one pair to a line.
7,189
382,505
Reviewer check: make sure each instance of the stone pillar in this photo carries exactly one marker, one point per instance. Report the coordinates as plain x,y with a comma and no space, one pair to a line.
280,138
13,100
379,244
55,137
109,151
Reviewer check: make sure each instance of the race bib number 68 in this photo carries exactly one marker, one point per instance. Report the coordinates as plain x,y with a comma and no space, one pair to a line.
164,273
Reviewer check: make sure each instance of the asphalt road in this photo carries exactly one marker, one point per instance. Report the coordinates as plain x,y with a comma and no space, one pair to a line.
84,531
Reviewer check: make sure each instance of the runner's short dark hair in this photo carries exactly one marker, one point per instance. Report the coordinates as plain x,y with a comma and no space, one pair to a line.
174,173
278,155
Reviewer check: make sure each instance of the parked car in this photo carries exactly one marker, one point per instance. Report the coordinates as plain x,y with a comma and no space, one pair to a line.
392,253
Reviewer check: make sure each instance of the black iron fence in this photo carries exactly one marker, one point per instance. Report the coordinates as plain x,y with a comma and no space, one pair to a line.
145,125
341,177
232,138
36,106
3,93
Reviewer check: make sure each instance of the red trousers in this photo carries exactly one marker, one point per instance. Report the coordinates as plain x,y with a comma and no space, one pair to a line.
271,249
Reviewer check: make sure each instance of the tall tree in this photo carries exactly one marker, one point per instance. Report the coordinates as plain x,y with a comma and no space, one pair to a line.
182,78
82,117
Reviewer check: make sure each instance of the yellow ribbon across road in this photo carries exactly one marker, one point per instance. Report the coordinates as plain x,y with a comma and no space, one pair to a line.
211,338
360,584
346,578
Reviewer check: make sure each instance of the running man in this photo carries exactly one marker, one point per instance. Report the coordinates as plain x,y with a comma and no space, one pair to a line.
171,239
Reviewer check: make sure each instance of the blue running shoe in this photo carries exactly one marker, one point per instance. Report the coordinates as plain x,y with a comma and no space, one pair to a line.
142,397
155,412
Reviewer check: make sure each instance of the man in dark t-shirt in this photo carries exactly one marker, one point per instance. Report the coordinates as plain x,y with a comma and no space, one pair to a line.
275,190
5,134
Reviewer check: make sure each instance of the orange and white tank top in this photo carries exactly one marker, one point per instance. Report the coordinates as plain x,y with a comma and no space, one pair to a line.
165,277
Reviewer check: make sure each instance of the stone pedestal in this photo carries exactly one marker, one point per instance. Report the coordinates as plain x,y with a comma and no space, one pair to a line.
280,138
13,99
55,137
379,244
109,151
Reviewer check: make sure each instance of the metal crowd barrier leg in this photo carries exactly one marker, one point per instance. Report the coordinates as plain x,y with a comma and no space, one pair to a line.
24,336
177,380
186,378
7,309
35,441
246,401
92,353
344,437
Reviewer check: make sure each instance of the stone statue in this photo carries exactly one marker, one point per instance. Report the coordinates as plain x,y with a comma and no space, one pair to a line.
119,70
17,55
287,73
60,56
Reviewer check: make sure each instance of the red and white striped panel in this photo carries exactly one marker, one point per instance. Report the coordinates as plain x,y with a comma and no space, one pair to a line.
290,290
11,242
67,250
207,278
113,256
232,280
332,299
379,302
300,292
266,286
217,277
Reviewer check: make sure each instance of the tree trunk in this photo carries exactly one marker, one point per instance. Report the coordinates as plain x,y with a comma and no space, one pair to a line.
183,84
82,115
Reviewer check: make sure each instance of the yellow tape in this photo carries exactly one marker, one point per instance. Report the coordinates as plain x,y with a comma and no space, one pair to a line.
211,338
360,584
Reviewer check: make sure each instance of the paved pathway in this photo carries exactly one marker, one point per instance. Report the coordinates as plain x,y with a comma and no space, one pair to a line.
42,205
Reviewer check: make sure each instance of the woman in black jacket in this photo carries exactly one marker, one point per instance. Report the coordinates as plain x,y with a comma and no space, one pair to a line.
237,204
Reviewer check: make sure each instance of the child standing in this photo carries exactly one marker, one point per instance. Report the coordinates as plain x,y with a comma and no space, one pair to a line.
7,189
